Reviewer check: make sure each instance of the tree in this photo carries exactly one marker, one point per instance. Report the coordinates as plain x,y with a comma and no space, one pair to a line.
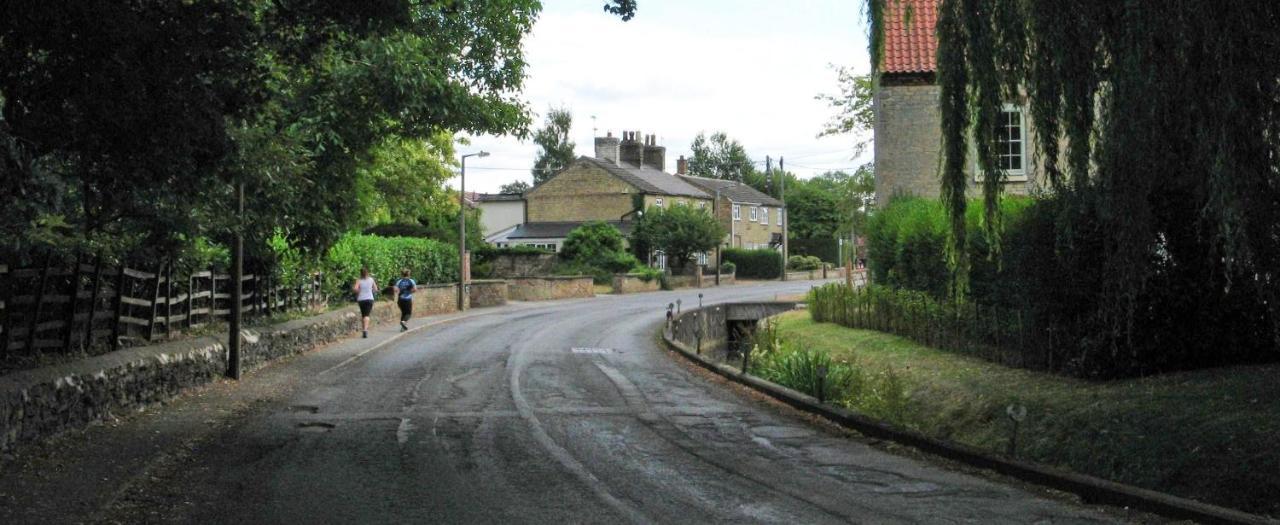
1157,128
124,126
853,107
597,248
679,231
719,157
403,178
557,149
514,188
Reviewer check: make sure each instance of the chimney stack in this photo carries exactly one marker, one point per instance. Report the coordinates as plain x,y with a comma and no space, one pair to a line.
607,148
631,151
682,166
655,156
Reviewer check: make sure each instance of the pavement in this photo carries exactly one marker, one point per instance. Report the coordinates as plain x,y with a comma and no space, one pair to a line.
555,412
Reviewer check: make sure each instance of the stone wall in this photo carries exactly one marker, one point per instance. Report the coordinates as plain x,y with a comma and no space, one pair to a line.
487,293
632,283
811,275
523,265
434,299
550,288
38,403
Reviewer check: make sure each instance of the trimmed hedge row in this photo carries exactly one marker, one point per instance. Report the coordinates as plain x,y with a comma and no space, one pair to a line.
754,264
429,261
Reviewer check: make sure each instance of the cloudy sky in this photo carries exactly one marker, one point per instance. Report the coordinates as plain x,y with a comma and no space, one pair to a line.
750,68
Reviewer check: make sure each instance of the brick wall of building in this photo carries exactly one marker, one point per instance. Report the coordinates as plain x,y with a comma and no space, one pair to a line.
908,144
580,193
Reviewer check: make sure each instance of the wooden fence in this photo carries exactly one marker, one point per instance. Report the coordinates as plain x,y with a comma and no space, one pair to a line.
92,308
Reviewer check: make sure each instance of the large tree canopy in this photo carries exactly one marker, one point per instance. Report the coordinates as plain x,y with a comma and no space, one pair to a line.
124,123
1157,125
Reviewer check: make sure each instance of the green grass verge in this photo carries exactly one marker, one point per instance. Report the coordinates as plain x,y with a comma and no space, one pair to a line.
1211,435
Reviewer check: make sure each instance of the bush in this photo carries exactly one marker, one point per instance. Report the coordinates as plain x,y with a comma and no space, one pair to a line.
754,264
399,230
489,252
429,261
803,262
595,249
728,267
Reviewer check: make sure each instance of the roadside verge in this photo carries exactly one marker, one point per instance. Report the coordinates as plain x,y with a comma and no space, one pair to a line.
1090,489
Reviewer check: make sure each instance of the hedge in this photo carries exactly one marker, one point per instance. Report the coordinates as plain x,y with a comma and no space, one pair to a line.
754,264
827,249
429,261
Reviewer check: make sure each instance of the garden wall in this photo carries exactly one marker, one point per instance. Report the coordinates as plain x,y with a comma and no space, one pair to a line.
633,283
549,288
509,266
487,293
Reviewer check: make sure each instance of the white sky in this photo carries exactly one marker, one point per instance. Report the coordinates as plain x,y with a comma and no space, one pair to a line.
750,68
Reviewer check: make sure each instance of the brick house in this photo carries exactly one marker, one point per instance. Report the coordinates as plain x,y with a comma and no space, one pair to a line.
907,127
629,174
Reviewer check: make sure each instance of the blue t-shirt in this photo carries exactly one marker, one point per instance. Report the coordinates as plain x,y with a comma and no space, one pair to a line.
406,286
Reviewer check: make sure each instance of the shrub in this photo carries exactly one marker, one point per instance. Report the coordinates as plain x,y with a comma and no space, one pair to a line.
754,264
728,267
429,261
803,262
488,252
399,230
595,249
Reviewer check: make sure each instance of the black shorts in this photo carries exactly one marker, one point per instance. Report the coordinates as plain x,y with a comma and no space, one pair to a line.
366,306
406,309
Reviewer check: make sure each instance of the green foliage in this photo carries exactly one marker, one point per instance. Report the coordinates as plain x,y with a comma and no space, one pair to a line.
1179,219
679,231
399,230
728,267
402,177
514,188
719,157
489,252
754,264
596,249
136,119
803,262
853,107
557,149
429,261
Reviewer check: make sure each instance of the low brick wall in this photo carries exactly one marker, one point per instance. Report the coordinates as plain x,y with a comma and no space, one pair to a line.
632,283
549,288
487,293
811,275
38,403
530,265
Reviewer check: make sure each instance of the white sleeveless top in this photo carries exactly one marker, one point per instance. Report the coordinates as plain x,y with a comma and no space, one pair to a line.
364,289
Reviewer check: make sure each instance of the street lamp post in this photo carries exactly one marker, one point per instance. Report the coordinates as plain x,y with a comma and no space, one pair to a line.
462,230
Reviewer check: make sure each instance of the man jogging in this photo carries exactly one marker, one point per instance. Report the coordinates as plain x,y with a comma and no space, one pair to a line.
404,297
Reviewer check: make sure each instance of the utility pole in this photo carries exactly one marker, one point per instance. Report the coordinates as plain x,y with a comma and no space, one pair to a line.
237,282
786,216
463,268
715,212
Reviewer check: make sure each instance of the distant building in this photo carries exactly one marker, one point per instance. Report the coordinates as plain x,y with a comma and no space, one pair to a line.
908,124
499,213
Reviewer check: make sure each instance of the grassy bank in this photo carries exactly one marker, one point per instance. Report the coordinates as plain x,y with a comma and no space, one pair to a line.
1210,435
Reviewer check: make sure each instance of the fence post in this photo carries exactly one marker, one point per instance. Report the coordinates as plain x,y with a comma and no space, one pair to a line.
155,302
72,302
39,300
168,301
6,295
191,301
93,303
213,292
119,307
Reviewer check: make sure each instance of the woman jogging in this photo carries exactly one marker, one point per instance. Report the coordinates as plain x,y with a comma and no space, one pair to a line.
363,288
404,297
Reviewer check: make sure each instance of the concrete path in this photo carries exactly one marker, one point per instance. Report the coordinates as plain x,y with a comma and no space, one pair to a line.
551,412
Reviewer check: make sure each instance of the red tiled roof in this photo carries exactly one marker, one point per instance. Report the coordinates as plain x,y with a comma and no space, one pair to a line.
910,42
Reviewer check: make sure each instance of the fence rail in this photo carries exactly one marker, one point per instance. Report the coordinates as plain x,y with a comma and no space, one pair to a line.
93,308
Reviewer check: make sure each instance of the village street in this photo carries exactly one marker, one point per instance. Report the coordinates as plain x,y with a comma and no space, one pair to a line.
492,416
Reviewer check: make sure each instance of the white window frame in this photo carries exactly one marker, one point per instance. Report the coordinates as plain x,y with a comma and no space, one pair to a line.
737,212
1018,175
657,202
753,214
764,216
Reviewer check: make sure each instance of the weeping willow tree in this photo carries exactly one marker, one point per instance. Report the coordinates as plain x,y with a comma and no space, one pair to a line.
1157,129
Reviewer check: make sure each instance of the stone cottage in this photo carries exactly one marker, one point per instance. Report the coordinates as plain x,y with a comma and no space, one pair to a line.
907,127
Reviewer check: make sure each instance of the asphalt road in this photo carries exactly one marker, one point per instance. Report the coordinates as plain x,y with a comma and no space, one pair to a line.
496,418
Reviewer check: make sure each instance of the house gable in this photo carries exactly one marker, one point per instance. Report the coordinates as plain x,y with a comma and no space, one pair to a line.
583,191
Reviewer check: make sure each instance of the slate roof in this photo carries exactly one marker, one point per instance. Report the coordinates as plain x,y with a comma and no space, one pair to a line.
496,197
648,180
910,42
557,230
734,190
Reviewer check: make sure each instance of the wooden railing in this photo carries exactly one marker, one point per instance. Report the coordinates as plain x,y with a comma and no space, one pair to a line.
91,308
